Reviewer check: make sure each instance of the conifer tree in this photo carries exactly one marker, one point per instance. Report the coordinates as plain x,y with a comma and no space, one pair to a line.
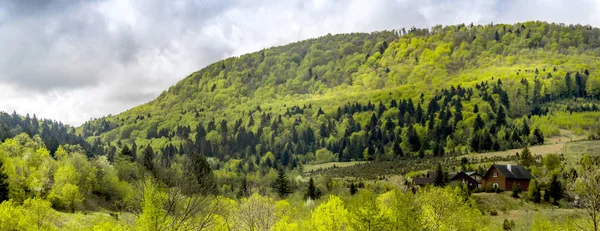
282,184
556,189
533,192
353,188
440,177
312,192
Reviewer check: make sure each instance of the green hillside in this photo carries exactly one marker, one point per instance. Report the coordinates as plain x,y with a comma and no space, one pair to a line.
322,95
326,134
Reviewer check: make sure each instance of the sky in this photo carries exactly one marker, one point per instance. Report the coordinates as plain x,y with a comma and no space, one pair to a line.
74,60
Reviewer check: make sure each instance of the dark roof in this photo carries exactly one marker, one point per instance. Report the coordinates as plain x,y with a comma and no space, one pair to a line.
516,172
431,174
461,173
422,180
472,173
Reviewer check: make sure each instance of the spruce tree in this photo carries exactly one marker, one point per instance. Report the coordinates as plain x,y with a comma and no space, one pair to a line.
539,136
533,192
282,184
413,139
440,177
312,192
148,160
353,188
244,191
526,159
555,190
201,178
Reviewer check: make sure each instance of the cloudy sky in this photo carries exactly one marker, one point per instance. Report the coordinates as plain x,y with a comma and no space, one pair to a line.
72,60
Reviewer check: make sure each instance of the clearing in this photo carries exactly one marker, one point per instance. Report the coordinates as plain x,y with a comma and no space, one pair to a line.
555,144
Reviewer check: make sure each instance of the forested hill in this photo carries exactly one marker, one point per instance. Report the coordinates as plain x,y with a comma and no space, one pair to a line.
51,133
384,95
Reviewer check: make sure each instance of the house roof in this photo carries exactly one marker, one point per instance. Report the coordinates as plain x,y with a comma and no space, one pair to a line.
461,173
423,180
472,173
516,172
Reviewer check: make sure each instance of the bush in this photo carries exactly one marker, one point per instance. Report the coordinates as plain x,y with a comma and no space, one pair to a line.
494,212
515,191
508,224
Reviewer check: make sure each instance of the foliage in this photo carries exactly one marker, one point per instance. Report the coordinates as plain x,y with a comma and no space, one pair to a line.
516,190
555,190
533,192
281,185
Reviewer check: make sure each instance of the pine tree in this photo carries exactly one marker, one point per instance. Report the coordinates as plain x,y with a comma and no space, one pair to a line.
440,177
353,188
556,189
526,158
398,150
525,129
244,191
126,152
539,136
500,116
312,192
413,139
148,160
201,178
282,184
533,192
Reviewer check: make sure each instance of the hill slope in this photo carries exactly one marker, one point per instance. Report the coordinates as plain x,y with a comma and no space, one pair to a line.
444,90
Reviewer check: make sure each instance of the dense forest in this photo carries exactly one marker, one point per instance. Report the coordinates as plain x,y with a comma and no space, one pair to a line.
226,148
380,96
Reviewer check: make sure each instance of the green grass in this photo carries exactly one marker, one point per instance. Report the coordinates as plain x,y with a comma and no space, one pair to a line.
521,211
575,150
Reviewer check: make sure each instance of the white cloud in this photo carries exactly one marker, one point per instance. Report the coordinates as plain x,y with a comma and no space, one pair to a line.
74,61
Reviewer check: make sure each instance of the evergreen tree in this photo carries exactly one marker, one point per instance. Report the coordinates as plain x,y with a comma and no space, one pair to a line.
398,150
533,192
282,185
525,129
500,116
478,124
413,139
440,177
353,188
126,152
556,189
526,159
148,160
312,192
539,136
244,191
201,177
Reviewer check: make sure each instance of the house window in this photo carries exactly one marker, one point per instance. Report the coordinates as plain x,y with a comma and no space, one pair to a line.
495,174
495,185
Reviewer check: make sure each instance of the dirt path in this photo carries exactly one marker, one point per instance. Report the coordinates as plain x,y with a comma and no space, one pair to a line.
554,144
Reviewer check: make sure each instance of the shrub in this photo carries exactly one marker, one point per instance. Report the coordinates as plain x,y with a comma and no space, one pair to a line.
494,212
508,224
515,191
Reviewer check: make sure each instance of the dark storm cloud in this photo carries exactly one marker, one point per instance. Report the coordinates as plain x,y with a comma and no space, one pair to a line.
75,59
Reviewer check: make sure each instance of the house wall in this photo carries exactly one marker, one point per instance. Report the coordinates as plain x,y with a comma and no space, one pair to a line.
489,179
524,184
471,183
